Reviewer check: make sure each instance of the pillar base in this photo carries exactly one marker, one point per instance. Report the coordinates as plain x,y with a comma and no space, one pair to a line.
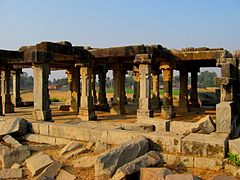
168,112
156,103
42,115
116,109
87,114
142,113
18,102
102,107
74,109
183,108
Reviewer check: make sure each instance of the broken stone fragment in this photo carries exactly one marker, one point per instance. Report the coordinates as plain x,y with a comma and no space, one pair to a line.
154,173
100,147
149,159
11,174
206,125
90,145
65,175
15,166
84,162
50,171
181,177
75,153
107,163
11,156
70,146
10,140
16,126
38,162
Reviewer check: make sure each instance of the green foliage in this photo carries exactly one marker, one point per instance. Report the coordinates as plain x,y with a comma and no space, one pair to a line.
233,159
54,99
206,79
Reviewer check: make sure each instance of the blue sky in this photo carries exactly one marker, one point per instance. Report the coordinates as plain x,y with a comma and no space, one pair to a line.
96,23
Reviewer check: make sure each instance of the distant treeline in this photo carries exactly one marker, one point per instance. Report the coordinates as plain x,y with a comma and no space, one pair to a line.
205,79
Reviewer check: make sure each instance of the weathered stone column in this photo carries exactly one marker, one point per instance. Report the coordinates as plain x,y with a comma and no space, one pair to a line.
167,107
41,94
94,89
194,93
227,112
86,110
183,106
7,105
102,97
16,87
144,111
155,90
73,77
117,106
136,93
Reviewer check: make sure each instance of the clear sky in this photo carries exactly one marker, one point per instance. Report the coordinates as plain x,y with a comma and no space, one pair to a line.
105,23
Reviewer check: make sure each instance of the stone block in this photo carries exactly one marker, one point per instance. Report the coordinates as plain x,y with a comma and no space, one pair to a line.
33,127
44,128
208,163
121,136
181,177
185,161
65,175
82,134
222,177
15,166
57,130
50,171
84,162
180,127
149,159
70,146
107,163
62,141
11,141
160,125
224,116
165,141
234,145
205,145
38,162
75,153
206,125
47,139
100,147
11,174
154,173
31,137
16,126
138,127
11,156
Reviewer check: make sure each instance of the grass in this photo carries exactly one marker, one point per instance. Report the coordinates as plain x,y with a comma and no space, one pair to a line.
233,159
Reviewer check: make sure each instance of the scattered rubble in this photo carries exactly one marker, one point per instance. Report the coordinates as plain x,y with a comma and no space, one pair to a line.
11,174
69,147
11,156
65,175
108,162
84,162
10,140
149,159
38,162
50,171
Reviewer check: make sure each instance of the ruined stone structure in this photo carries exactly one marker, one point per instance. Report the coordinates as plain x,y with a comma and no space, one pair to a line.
146,62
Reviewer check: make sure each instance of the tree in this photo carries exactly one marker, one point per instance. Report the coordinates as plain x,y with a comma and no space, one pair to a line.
206,79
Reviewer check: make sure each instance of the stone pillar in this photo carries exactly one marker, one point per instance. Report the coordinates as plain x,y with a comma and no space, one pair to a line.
194,93
117,106
136,93
167,107
7,105
183,106
16,87
145,110
73,77
227,111
102,97
86,110
155,90
41,94
94,94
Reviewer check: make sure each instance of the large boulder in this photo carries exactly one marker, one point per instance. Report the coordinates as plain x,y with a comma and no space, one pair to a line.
149,159
13,126
108,162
